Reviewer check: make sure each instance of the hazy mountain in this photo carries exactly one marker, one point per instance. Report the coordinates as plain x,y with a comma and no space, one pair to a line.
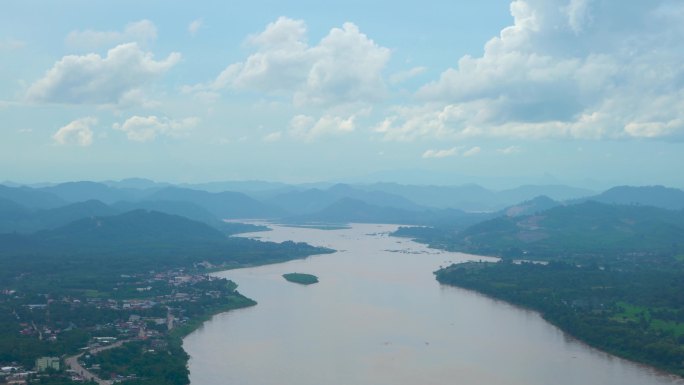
554,192
83,191
133,227
533,206
138,239
313,200
589,228
352,210
348,210
474,197
223,205
185,209
31,198
21,220
11,210
466,197
136,183
657,196
246,187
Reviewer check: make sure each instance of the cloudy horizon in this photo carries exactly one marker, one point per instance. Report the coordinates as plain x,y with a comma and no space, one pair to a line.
528,90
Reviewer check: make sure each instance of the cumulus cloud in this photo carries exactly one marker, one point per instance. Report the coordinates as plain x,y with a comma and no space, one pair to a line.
344,67
402,76
273,136
472,152
441,153
309,128
142,32
564,69
147,128
99,80
195,26
78,132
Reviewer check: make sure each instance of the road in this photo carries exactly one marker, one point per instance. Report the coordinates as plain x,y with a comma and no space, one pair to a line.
72,362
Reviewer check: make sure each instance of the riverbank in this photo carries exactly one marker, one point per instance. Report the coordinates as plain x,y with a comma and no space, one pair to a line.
635,315
379,317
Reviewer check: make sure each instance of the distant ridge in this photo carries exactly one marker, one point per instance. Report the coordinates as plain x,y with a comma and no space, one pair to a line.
224,205
656,196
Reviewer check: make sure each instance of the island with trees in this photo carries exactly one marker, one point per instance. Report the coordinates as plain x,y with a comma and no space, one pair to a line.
301,278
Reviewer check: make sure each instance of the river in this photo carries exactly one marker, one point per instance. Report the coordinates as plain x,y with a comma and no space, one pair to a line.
379,317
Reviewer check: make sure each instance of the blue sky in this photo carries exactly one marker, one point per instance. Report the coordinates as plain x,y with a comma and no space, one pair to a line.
310,91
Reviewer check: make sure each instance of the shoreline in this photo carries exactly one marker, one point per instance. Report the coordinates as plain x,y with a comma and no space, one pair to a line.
661,369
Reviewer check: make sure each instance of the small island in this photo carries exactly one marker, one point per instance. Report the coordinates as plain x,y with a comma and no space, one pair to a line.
304,279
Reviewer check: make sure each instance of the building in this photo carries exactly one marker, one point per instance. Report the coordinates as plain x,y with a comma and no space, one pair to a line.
45,363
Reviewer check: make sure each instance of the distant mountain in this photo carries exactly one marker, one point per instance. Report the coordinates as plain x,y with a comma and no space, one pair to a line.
223,205
352,210
314,200
533,206
656,196
132,228
554,192
11,210
474,197
246,187
135,183
138,239
83,191
31,198
184,209
466,197
348,210
22,220
589,228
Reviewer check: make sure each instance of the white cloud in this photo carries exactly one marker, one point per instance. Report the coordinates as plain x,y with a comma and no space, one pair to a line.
510,150
308,128
195,26
442,153
589,69
402,76
142,32
77,132
577,12
273,136
99,80
472,152
344,67
147,128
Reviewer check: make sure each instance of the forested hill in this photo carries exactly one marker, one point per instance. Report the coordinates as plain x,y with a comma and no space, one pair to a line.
132,241
589,229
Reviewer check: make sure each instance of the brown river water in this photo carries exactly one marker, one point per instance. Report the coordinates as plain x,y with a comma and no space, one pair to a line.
377,317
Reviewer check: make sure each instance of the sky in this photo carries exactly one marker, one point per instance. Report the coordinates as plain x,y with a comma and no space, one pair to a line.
584,92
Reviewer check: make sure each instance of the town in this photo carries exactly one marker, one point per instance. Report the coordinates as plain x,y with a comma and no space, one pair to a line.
80,337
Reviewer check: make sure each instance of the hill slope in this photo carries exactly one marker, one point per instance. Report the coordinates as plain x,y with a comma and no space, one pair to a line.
656,196
223,205
589,228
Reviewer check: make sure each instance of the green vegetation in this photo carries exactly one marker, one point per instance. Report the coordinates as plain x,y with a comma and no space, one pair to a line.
301,278
121,276
614,278
593,231
631,311
91,253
